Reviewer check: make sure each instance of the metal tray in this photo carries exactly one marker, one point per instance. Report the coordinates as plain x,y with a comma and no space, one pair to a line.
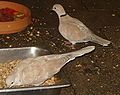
9,54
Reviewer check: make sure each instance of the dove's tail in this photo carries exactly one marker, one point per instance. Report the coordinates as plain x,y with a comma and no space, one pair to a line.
82,51
100,40
72,55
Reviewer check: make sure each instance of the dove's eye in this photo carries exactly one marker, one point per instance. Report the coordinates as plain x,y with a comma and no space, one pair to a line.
12,82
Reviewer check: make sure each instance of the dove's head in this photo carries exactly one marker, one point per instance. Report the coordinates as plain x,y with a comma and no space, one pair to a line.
59,9
12,80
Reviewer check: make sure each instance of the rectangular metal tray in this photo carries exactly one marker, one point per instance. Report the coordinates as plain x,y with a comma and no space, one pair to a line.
9,54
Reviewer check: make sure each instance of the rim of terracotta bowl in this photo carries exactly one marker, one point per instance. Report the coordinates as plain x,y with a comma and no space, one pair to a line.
17,25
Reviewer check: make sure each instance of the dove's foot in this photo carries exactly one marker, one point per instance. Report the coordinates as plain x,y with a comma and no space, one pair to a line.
69,45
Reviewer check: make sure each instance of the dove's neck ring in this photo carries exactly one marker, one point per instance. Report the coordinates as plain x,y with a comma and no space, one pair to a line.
63,15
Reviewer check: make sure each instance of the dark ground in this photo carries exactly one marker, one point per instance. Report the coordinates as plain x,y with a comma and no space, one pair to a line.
97,73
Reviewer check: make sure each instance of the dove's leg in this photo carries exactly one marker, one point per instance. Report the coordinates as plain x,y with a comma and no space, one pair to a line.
69,44
99,40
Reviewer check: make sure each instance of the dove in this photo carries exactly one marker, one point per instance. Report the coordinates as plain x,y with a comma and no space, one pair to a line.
34,71
74,30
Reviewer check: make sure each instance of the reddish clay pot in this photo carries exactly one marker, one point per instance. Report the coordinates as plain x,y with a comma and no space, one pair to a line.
17,25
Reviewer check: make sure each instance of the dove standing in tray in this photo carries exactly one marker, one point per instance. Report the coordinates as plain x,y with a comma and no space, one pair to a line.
74,30
34,71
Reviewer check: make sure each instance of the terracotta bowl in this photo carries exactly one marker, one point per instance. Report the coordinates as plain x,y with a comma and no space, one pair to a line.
19,24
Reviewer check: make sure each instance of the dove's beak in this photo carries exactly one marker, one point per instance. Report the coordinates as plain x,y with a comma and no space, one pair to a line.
52,9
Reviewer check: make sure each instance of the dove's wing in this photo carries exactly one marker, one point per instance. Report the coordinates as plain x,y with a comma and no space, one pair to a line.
90,35
33,72
73,30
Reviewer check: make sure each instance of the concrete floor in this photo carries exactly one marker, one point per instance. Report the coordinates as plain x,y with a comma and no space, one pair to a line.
97,73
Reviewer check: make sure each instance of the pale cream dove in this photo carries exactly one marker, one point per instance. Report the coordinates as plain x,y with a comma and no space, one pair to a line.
74,30
34,71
